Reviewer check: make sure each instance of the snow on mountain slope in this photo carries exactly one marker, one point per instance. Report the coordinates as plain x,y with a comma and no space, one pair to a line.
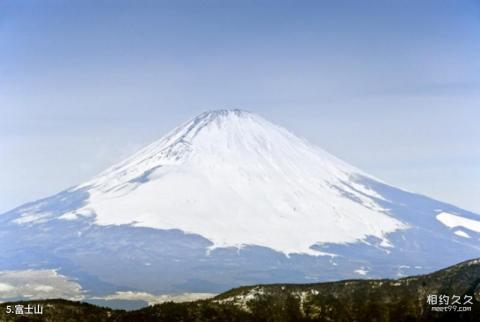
452,221
164,221
237,179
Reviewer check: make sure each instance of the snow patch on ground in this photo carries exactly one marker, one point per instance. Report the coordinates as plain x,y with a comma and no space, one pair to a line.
74,215
69,216
243,299
32,217
452,221
461,233
366,190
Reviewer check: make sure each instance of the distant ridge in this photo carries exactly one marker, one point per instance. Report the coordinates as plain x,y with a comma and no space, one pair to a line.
404,299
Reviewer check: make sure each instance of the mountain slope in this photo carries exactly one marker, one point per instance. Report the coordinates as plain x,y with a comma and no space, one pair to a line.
229,199
230,176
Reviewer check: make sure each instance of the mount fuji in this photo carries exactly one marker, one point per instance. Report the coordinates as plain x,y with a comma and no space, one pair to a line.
224,200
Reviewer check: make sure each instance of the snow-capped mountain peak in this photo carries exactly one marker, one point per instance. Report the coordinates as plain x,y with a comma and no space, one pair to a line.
218,202
212,132
237,179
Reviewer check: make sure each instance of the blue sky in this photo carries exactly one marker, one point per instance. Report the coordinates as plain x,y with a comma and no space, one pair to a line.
393,87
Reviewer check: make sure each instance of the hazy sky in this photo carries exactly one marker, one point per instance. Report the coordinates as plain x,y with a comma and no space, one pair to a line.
392,87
